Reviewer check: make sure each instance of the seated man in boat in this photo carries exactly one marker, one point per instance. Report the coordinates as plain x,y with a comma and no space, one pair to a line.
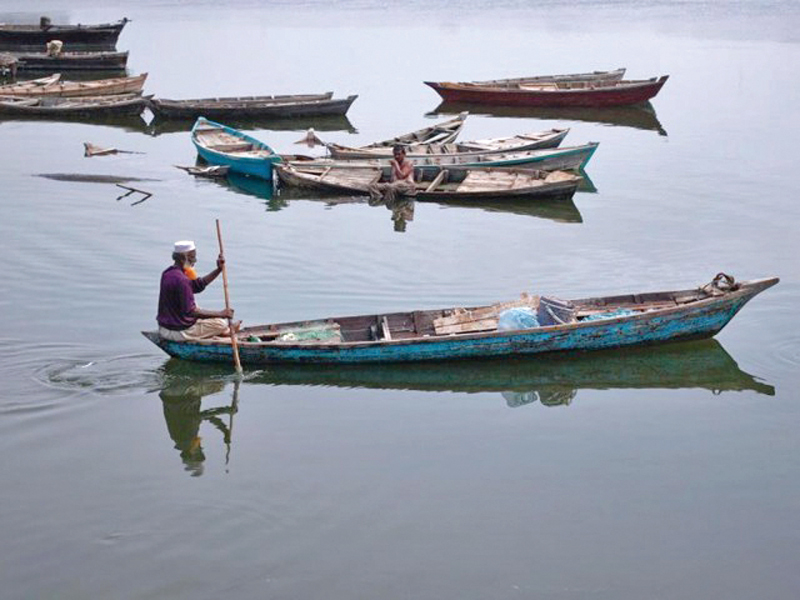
401,179
179,318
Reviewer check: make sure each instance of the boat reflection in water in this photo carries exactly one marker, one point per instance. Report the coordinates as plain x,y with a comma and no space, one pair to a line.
402,210
130,123
300,124
551,379
182,398
640,116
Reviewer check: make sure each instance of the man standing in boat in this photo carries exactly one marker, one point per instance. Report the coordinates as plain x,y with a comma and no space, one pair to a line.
179,318
401,179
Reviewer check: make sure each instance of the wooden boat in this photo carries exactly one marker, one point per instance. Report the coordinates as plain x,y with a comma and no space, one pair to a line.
459,333
539,140
54,86
440,133
436,184
570,158
73,61
55,106
614,75
221,145
557,93
253,106
102,34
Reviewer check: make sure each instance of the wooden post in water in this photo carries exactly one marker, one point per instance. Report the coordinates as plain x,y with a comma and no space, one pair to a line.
234,343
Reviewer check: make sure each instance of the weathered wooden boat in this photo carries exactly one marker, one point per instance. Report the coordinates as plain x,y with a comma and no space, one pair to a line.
570,158
458,333
436,184
89,106
53,85
221,145
593,76
73,61
556,93
539,140
99,35
440,133
286,106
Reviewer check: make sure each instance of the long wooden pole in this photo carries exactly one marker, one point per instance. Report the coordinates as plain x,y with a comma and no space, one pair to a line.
234,344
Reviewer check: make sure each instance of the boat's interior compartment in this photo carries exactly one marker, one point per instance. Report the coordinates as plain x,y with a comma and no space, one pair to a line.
459,321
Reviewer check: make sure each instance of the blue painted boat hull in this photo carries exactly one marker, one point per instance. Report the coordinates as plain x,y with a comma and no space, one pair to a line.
253,167
700,319
256,166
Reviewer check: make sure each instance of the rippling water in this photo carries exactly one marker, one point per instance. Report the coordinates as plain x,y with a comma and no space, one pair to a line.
668,473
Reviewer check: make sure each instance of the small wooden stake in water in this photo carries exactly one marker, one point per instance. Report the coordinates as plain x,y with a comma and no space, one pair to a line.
234,343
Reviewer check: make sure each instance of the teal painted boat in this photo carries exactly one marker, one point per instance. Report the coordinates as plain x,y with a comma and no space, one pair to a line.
478,332
221,145
567,158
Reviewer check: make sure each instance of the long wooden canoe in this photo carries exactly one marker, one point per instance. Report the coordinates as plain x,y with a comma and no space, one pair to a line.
460,333
553,94
86,106
539,140
550,159
100,35
221,145
73,61
285,106
55,86
436,184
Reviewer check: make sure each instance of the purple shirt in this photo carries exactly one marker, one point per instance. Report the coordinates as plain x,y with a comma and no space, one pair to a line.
176,299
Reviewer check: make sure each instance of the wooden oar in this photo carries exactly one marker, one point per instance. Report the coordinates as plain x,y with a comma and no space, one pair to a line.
234,343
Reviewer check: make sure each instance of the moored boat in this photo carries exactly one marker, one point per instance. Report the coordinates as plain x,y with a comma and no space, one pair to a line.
281,106
553,93
53,85
436,183
72,61
88,106
570,158
440,133
585,324
539,140
101,35
221,145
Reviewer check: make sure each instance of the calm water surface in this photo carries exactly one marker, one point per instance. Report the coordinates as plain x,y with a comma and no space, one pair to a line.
660,473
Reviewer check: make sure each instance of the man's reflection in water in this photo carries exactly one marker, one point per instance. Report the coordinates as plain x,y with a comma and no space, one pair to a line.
402,210
182,399
556,397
